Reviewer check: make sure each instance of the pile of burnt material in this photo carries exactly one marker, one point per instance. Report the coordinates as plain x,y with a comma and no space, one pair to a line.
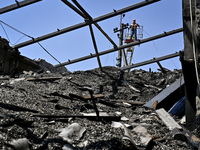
88,110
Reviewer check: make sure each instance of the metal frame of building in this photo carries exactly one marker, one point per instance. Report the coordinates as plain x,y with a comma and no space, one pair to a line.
89,21
17,5
121,47
154,60
190,36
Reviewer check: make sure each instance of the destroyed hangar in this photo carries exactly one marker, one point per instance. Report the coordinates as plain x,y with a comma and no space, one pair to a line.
46,107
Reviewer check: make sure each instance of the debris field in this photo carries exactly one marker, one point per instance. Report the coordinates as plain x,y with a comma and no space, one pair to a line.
85,110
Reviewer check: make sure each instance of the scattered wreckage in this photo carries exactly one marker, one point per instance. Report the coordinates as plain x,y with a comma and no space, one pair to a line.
91,110
43,107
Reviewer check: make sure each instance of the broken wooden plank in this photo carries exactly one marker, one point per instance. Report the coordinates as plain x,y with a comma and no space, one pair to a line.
151,86
128,101
155,105
167,119
44,79
94,95
85,97
169,96
130,86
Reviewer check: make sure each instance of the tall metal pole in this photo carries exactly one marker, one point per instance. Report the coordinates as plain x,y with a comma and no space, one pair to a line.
121,52
119,59
188,61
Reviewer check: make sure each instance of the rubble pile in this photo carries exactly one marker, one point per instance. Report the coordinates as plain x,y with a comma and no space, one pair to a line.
84,110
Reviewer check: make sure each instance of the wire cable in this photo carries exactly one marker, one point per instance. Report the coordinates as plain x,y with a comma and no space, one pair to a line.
49,53
27,36
15,29
5,31
193,42
8,36
159,51
152,41
18,40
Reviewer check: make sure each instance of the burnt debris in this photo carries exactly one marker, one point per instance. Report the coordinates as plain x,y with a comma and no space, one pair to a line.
36,105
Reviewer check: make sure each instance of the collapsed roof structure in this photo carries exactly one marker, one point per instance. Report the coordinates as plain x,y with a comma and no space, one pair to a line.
12,62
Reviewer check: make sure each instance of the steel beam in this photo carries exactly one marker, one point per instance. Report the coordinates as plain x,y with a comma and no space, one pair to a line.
95,46
74,8
122,47
188,60
154,60
102,31
161,67
85,15
17,5
83,24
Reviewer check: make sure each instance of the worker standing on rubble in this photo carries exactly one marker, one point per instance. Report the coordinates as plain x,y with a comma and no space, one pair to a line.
133,27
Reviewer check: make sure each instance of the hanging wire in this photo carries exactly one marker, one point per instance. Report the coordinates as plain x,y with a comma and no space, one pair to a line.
49,53
159,51
18,40
193,42
27,36
153,42
8,36
5,32
16,29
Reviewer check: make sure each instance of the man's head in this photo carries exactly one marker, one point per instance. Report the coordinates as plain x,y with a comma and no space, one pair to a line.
134,20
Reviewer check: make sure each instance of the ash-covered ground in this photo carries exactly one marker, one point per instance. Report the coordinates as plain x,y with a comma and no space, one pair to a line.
25,104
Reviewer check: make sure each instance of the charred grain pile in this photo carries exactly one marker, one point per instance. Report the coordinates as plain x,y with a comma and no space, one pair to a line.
85,110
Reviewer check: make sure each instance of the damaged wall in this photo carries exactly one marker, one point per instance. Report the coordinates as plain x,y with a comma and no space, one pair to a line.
11,61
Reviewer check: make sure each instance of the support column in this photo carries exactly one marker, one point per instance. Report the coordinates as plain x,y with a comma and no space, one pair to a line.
119,59
188,60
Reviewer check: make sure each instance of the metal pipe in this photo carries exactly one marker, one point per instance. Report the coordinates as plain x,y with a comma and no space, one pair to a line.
121,43
95,46
86,15
74,8
17,5
151,61
81,8
121,47
83,24
161,67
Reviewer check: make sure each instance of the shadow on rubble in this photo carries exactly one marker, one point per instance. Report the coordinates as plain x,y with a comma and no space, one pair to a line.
109,79
112,144
57,143
114,81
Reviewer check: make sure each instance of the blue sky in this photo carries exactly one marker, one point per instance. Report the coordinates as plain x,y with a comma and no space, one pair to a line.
49,15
